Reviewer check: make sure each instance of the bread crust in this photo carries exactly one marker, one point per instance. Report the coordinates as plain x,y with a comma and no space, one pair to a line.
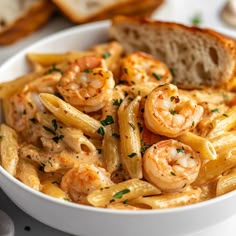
128,7
227,43
33,19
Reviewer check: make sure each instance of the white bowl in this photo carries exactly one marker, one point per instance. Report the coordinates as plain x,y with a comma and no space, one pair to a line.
87,221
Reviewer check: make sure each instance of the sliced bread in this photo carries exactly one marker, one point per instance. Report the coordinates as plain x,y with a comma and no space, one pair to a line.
19,18
81,11
197,57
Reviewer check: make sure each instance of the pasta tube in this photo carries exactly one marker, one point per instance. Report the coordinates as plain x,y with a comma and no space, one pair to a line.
126,190
53,190
111,141
168,200
226,183
72,116
130,137
199,144
224,141
28,174
8,149
223,123
214,168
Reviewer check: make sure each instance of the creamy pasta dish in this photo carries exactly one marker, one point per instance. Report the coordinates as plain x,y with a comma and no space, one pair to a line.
112,130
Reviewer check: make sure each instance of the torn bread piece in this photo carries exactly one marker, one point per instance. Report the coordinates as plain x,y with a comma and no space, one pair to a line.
197,57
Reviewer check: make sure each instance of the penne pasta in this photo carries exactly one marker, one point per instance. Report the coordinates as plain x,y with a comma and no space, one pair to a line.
27,172
52,189
8,149
71,116
199,144
168,200
223,123
111,140
224,141
130,137
226,183
126,190
214,168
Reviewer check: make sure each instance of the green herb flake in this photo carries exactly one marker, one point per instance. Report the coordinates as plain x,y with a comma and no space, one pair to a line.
49,130
101,131
132,155
180,150
99,151
173,112
126,201
108,121
106,55
56,139
225,115
66,199
117,102
120,194
156,76
172,71
54,124
88,70
115,135
54,69
215,110
196,20
173,173
193,123
132,126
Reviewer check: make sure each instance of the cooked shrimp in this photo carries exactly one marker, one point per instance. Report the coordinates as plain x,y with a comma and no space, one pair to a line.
141,68
83,179
87,84
171,165
167,115
21,107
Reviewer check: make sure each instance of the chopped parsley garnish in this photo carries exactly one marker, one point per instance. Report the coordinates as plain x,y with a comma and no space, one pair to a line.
126,201
174,99
173,173
193,123
117,102
54,124
54,69
225,115
132,155
132,126
115,135
49,130
106,55
144,147
173,112
180,150
99,151
101,131
215,110
121,193
66,199
88,70
109,120
56,139
172,71
196,20
156,76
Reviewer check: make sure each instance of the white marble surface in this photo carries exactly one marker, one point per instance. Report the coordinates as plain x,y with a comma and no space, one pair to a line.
173,10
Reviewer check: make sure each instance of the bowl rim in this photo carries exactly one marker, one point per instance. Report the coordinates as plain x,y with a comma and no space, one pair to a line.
75,30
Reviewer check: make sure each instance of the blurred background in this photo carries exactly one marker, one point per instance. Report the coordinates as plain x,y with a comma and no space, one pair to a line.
23,22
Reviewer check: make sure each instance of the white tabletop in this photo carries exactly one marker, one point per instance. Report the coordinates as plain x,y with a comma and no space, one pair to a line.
173,10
